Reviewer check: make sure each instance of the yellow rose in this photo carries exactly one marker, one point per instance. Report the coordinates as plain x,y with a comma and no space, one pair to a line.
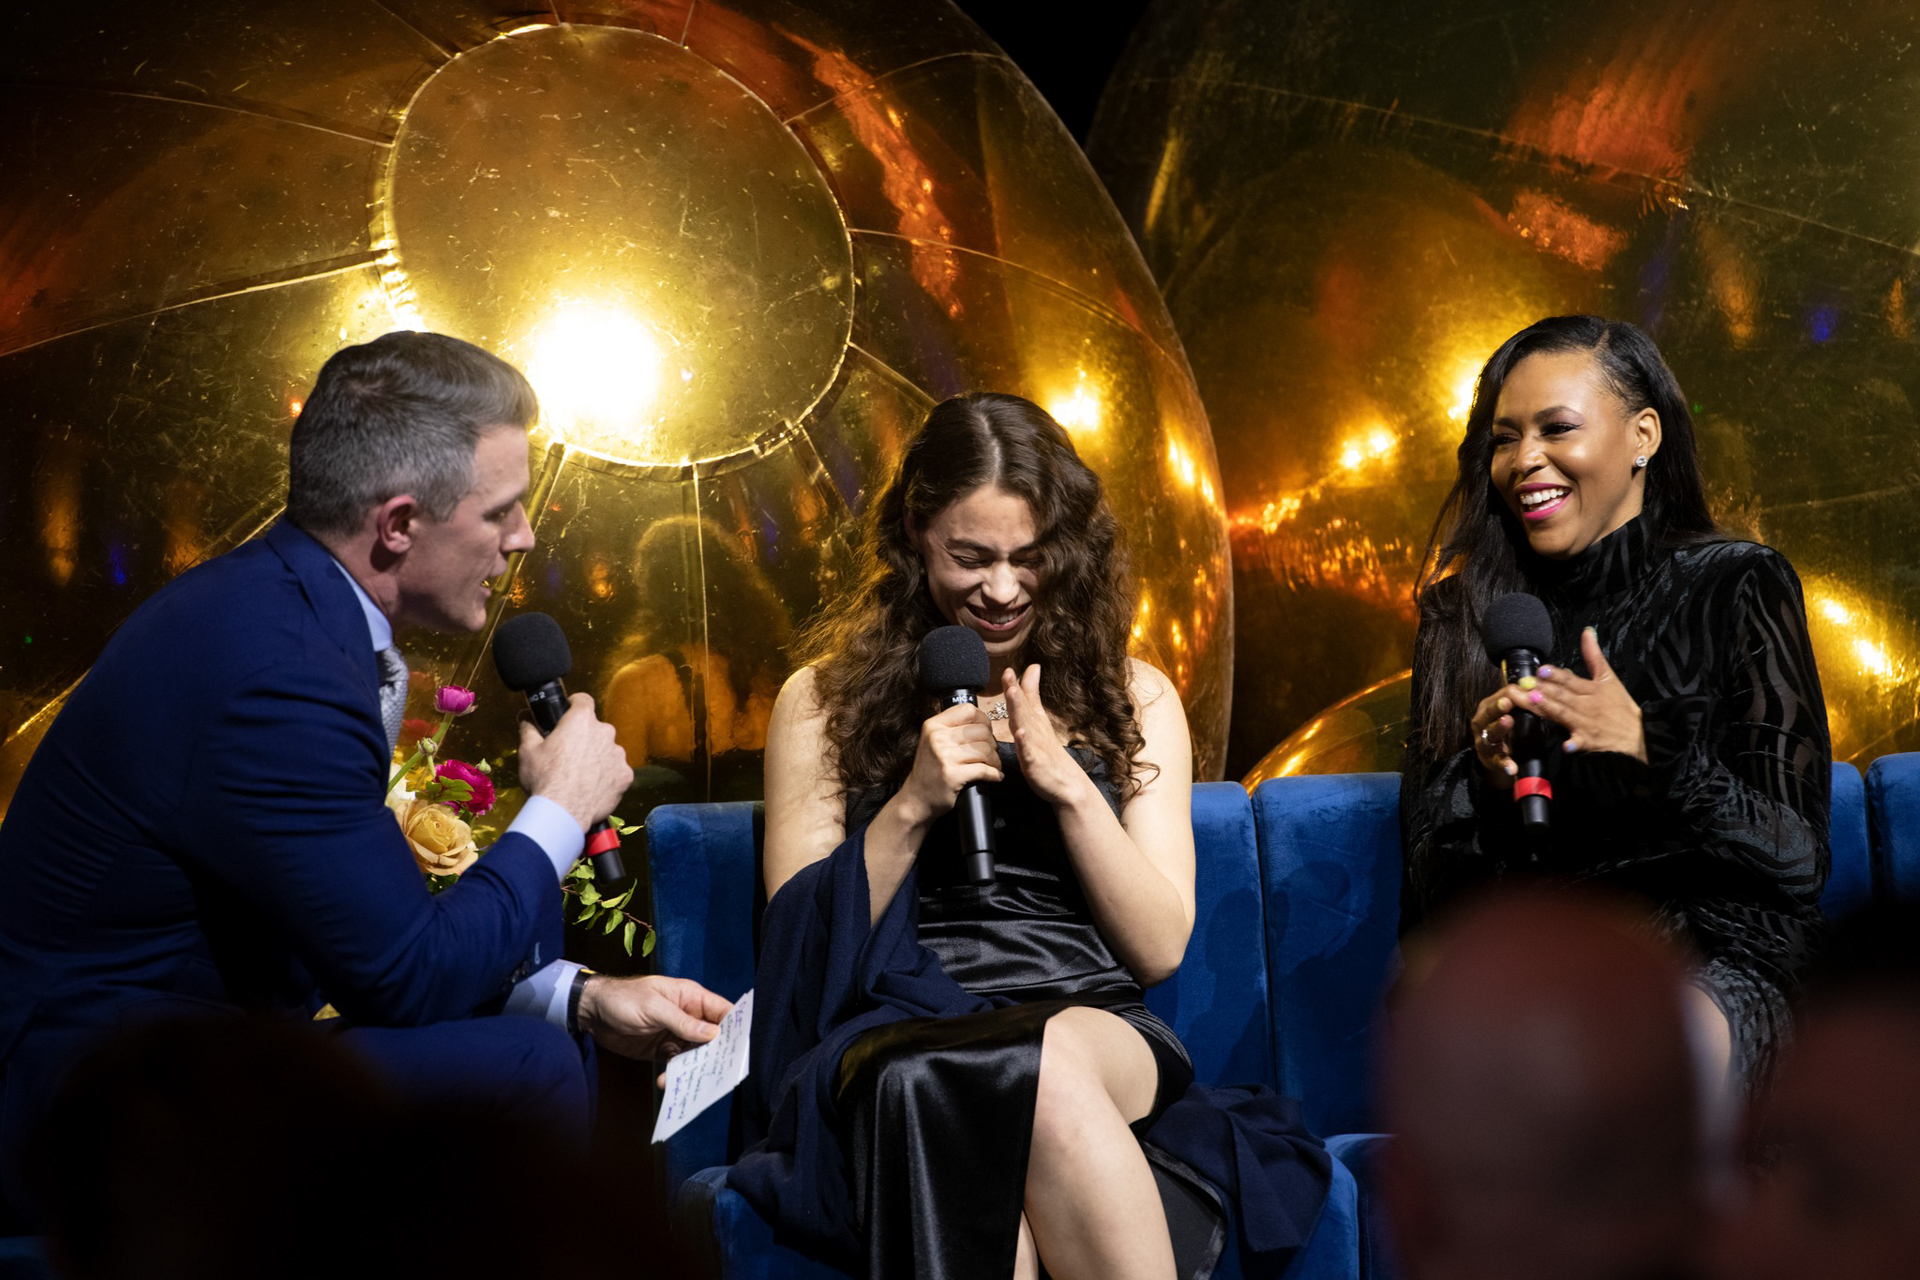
442,844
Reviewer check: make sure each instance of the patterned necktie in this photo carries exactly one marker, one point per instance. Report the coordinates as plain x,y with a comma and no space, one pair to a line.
393,694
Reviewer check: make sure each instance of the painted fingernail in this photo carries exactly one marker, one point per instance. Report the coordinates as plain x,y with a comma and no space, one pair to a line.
1506,705
1512,768
1546,673
1568,746
1526,682
1593,631
1535,698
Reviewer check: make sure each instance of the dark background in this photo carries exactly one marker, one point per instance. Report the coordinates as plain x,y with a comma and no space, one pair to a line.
1067,48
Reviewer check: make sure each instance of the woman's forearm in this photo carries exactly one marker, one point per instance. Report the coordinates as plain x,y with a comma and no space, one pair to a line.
893,842
1137,908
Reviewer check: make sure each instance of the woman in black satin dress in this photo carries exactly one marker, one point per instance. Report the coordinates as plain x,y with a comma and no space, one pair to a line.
1692,764
964,1164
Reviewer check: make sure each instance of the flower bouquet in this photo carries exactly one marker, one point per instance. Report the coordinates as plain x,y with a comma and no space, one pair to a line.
433,799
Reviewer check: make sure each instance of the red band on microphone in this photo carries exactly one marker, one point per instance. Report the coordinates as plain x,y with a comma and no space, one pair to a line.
602,842
1532,787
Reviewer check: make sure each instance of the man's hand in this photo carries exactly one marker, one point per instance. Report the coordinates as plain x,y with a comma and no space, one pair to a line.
578,766
649,1018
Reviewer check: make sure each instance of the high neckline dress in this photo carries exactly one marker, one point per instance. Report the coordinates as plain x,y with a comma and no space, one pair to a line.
1724,830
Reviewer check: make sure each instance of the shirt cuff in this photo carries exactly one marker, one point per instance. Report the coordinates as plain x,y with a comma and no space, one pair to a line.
545,994
551,827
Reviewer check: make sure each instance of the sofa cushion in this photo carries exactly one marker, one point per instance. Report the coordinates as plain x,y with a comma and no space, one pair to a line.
1217,1001
1850,883
1893,796
1330,862
706,902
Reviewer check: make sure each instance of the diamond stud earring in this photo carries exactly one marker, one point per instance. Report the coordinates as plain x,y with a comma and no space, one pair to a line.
1640,462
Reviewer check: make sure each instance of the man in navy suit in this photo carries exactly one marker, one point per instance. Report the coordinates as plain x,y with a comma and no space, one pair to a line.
203,827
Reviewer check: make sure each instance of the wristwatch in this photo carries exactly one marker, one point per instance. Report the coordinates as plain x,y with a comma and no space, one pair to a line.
580,977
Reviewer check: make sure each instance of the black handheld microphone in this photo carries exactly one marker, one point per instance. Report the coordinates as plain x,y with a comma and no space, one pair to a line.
531,654
1519,633
953,667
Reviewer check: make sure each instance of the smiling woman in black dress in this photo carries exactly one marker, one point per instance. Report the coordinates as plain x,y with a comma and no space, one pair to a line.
961,1081
1692,766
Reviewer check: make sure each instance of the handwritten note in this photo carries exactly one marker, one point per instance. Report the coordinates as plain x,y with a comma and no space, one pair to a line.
702,1076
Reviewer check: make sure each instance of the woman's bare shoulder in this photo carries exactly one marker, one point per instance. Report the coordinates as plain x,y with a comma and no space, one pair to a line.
1149,684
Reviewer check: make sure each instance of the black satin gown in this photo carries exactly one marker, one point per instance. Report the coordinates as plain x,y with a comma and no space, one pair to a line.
1724,829
937,1113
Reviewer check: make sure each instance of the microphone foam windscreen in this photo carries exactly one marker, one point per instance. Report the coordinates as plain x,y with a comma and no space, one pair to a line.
1516,621
530,649
953,658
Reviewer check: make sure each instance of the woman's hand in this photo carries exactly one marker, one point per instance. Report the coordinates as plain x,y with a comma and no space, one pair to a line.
1598,714
956,747
1491,725
1050,768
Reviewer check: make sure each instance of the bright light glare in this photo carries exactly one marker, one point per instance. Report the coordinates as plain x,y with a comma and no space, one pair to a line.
597,371
1078,412
1873,658
1182,463
1375,442
1837,613
1462,397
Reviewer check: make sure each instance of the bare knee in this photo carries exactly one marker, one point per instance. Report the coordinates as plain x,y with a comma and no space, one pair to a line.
1094,1070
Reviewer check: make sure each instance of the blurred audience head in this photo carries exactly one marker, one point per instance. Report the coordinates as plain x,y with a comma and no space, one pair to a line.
1542,1086
1836,1141
225,1148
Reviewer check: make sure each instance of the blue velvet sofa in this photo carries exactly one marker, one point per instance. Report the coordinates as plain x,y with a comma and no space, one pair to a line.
1298,892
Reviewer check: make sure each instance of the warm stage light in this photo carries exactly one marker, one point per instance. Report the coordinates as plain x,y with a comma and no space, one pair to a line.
597,371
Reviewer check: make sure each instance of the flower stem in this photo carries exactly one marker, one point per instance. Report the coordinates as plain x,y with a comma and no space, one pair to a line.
425,750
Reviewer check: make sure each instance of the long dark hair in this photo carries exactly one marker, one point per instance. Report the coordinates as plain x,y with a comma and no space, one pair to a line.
866,649
1483,547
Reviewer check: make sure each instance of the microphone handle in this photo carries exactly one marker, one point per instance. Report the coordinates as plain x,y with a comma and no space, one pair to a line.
975,815
548,702
1528,744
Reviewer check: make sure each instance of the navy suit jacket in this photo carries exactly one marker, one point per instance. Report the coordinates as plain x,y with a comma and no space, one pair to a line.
204,825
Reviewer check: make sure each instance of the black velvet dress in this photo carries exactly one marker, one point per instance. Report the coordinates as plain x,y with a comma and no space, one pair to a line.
1724,829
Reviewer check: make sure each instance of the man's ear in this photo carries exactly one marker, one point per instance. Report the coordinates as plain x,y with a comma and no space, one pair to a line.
393,524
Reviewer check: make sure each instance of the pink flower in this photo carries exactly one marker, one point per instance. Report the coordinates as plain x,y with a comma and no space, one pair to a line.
452,700
457,771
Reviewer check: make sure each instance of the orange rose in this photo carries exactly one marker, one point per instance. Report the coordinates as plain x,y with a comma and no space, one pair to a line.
442,844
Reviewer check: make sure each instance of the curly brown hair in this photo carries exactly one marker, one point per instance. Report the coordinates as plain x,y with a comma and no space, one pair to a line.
866,650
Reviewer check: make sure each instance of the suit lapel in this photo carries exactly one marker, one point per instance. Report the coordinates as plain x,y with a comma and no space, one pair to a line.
334,605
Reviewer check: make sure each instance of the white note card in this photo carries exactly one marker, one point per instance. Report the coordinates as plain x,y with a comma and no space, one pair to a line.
703,1075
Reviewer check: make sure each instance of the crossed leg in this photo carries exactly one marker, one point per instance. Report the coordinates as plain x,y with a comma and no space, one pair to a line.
1092,1207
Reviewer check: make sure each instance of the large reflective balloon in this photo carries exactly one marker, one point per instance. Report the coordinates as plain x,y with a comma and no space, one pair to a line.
1349,205
740,246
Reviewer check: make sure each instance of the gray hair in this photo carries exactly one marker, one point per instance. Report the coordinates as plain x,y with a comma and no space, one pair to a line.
400,414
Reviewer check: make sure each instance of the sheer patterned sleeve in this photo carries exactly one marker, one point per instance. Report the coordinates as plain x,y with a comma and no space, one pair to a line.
1745,764
1452,828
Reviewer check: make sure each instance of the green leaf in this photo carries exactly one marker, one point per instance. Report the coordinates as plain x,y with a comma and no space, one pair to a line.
613,918
581,871
626,937
617,824
614,904
589,894
646,948
586,915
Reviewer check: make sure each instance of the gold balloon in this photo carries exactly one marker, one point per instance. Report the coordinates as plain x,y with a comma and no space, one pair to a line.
741,247
1348,206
